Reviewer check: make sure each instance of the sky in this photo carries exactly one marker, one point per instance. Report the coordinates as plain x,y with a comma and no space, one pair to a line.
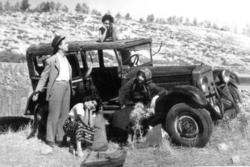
228,12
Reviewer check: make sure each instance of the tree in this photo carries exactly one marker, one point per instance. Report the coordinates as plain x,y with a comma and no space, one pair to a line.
52,6
25,5
17,6
96,12
57,6
195,23
128,17
1,6
150,18
85,8
44,7
246,30
7,6
215,26
65,9
187,22
141,20
118,16
78,8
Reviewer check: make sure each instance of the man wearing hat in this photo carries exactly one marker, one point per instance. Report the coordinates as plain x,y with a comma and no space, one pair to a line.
57,76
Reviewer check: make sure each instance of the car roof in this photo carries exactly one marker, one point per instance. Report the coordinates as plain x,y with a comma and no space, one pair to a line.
46,49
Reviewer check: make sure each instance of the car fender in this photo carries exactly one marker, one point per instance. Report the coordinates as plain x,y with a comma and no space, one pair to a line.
192,92
184,93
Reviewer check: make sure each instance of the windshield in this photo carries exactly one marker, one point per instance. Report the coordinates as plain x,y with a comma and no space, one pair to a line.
136,56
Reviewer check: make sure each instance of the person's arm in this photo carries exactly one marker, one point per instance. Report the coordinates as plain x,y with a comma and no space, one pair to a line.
156,90
124,93
102,35
41,83
44,76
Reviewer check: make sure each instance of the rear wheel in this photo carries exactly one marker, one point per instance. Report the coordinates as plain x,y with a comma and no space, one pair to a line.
188,126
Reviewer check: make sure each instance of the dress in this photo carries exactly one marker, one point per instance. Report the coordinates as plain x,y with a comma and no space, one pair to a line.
77,129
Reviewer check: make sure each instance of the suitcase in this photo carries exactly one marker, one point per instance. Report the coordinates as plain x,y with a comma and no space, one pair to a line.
102,159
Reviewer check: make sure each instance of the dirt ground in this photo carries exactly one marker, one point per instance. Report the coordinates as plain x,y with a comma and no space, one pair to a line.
230,140
16,150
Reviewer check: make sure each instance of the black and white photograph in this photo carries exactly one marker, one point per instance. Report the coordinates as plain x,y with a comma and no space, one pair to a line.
135,83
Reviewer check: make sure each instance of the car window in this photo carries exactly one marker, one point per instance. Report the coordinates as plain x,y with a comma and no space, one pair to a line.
109,58
39,63
135,56
92,58
79,58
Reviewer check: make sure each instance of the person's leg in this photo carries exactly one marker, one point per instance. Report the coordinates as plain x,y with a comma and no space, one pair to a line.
54,111
65,104
79,151
120,125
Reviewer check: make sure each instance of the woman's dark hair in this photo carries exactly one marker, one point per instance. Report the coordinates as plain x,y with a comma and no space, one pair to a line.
108,17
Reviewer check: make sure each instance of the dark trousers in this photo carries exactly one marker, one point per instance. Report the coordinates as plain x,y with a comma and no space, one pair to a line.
59,103
120,125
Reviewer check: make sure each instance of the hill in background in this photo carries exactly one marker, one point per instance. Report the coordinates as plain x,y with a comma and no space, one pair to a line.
181,44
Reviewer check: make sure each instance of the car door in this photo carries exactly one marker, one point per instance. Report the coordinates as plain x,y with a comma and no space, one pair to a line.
105,72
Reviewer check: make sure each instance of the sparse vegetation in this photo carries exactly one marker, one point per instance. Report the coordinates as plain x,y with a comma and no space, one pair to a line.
150,18
82,8
233,135
128,17
7,56
24,5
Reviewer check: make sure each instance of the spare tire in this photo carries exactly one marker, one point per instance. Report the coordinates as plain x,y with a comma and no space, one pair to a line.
188,126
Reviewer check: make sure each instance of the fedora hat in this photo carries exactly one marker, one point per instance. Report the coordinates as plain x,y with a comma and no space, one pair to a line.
56,41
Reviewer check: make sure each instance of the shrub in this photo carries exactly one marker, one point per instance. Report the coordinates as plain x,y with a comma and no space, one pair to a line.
128,17
1,6
65,9
24,5
8,56
150,18
96,12
7,6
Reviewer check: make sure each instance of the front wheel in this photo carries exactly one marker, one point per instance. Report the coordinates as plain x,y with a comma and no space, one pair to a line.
188,126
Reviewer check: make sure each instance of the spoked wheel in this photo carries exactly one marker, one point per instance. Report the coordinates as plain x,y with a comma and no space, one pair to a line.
188,126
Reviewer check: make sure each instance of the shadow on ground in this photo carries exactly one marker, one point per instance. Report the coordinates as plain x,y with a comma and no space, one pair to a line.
13,123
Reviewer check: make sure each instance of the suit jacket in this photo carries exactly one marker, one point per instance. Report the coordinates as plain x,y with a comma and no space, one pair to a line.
49,75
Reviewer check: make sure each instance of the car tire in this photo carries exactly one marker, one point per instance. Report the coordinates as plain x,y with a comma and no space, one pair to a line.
234,95
188,126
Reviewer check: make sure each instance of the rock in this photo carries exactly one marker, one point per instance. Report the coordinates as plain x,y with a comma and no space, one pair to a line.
235,159
222,147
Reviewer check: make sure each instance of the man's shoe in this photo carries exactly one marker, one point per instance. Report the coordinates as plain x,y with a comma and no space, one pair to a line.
50,143
47,149
62,144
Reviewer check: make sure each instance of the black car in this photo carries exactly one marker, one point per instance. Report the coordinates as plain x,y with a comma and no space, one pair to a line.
197,94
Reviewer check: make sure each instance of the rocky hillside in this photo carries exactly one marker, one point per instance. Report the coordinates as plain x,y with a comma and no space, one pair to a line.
181,44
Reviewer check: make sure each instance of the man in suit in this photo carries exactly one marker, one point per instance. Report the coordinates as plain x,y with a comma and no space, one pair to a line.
57,76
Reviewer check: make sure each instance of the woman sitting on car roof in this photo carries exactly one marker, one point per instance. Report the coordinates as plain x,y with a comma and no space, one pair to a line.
107,32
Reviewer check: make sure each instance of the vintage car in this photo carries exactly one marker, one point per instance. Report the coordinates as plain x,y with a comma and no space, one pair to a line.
196,95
